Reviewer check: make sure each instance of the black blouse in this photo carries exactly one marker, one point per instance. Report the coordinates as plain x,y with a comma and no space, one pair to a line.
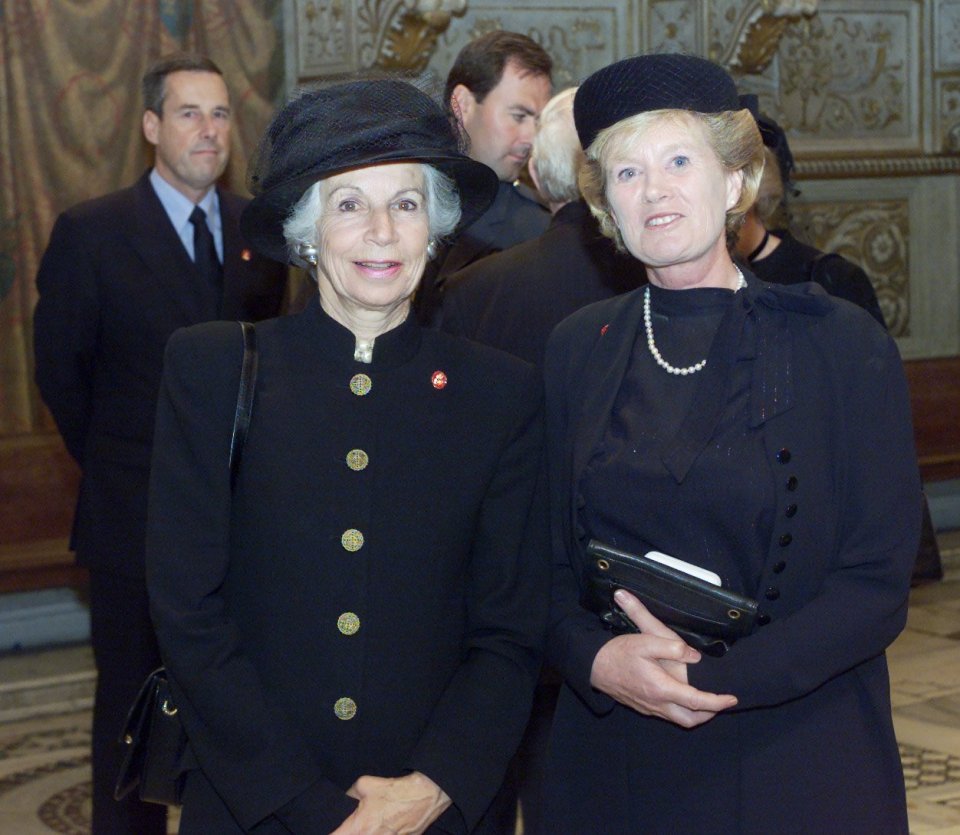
719,514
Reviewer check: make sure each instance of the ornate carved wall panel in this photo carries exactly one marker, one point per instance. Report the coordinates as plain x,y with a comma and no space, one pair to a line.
895,229
849,79
875,233
580,37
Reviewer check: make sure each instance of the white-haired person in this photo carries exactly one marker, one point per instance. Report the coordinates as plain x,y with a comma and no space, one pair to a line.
353,631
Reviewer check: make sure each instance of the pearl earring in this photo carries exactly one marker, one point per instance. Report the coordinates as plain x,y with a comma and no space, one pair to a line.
432,249
308,253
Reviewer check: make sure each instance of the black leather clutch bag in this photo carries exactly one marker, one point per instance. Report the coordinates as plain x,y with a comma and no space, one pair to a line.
708,617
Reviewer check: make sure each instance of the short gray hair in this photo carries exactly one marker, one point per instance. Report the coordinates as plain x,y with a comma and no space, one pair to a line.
556,153
442,204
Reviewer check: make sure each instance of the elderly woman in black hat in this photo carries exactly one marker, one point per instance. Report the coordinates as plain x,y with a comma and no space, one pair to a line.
352,631
758,432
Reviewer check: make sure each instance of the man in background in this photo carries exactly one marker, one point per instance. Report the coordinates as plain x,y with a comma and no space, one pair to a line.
119,275
496,88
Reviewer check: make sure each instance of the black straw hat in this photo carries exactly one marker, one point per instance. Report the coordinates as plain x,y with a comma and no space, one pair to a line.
650,82
354,125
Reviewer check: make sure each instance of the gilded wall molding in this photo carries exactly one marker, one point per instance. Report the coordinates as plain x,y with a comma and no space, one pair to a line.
411,37
914,166
336,38
751,37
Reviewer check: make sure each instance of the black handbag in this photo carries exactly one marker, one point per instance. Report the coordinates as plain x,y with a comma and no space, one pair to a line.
153,737
154,742
708,617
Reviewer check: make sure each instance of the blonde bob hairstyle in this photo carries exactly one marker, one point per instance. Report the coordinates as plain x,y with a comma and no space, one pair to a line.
733,135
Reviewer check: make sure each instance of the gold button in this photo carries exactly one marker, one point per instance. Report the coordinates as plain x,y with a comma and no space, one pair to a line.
360,384
352,540
348,623
357,460
345,708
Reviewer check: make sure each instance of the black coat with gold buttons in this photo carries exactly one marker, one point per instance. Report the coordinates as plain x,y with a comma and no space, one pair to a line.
371,598
810,746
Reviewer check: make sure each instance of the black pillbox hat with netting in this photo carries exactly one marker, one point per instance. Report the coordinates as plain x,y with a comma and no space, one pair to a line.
650,82
326,131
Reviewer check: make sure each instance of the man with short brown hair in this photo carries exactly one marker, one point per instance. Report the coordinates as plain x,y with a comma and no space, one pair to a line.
120,274
496,88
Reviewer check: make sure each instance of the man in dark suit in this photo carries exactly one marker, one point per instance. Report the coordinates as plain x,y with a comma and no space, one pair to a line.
513,299
119,275
496,88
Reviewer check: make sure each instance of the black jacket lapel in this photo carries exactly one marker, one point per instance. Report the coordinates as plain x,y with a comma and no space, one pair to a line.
167,262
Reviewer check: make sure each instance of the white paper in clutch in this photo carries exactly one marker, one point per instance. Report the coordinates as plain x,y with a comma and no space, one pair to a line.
686,567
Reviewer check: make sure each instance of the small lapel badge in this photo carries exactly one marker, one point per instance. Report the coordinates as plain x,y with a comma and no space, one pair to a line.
604,329
246,255
439,380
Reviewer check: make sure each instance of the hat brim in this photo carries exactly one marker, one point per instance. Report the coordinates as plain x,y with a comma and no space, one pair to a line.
261,222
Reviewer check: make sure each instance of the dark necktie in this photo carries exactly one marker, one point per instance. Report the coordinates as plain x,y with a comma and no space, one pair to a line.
205,252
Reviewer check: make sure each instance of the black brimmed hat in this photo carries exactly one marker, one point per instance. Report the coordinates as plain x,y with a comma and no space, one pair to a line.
354,125
650,82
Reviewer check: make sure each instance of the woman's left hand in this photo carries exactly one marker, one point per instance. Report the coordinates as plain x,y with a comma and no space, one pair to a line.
394,805
648,671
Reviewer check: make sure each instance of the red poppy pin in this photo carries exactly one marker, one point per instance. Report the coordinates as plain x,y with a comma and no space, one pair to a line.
245,255
439,380
604,329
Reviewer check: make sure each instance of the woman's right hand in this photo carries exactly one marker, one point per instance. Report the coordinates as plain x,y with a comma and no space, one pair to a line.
648,671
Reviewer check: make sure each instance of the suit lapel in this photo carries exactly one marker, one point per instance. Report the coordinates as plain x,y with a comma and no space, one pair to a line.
166,260
602,374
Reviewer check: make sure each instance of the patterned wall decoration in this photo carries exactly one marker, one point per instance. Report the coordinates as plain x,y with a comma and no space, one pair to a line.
579,39
948,116
672,26
848,75
947,41
417,36
874,234
325,42
745,35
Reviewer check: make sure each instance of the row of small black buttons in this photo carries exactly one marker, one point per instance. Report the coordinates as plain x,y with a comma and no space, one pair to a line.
773,593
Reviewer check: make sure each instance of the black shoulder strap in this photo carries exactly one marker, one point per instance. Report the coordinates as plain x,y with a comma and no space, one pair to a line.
248,381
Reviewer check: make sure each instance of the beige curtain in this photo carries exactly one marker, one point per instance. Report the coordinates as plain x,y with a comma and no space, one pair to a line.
70,114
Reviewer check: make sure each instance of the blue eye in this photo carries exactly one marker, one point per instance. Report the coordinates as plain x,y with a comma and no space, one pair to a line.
681,161
626,174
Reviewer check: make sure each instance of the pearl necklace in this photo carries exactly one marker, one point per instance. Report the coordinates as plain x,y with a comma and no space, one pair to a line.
654,351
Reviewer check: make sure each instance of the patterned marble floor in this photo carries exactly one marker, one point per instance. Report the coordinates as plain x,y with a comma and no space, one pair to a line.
45,761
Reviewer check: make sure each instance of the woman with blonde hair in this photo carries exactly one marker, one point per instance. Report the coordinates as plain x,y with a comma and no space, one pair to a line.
756,433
